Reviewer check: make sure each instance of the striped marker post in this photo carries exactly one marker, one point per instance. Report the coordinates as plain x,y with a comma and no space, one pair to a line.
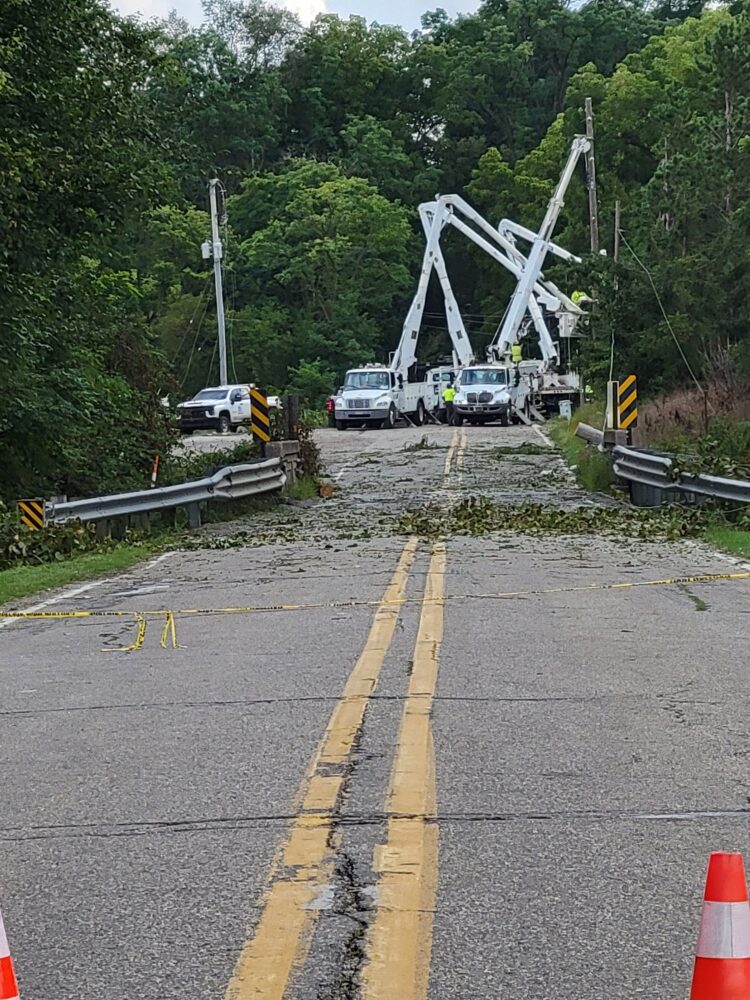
627,403
722,963
260,421
8,984
32,513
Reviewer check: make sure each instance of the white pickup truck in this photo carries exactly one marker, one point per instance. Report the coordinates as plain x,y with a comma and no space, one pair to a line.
376,395
221,408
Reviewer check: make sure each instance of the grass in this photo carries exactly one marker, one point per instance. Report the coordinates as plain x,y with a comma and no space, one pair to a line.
304,488
728,539
21,581
592,468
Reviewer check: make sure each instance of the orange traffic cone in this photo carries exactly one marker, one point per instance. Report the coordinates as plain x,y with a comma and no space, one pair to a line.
8,984
722,963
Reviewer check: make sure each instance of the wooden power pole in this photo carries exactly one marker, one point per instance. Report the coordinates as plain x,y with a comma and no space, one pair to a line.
591,178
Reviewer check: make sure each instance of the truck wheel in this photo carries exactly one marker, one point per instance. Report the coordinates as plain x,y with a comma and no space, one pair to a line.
341,425
458,420
390,421
224,424
186,433
420,417
504,419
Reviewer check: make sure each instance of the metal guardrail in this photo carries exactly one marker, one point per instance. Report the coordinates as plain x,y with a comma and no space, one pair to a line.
653,469
652,481
230,483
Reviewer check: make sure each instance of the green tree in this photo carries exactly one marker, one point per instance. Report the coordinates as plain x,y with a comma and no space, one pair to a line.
313,381
79,159
333,252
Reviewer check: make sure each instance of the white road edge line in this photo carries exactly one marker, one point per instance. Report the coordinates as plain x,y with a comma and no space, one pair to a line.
77,591
547,440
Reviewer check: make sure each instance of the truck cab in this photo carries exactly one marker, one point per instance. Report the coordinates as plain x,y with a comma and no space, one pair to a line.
488,392
368,396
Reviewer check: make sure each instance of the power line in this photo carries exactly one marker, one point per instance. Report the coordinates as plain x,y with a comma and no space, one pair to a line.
190,323
183,380
664,313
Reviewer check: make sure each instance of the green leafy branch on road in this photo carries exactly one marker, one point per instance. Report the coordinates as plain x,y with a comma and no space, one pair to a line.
480,516
424,444
526,448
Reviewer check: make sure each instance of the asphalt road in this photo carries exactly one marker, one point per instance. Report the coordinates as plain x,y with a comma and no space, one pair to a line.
463,768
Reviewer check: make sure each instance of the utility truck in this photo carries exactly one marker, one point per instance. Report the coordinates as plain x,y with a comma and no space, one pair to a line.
380,394
507,386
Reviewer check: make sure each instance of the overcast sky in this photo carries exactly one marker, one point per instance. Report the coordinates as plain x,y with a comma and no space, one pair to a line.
404,12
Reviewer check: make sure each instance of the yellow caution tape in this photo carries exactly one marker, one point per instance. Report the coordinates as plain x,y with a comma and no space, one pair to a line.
169,615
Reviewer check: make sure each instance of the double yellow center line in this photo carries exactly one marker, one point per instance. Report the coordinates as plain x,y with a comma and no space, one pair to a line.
456,451
400,935
304,863
400,938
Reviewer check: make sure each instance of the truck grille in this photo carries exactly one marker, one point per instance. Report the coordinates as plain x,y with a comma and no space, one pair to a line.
360,404
478,397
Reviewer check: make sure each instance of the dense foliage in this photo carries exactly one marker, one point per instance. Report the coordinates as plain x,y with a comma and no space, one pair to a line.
325,139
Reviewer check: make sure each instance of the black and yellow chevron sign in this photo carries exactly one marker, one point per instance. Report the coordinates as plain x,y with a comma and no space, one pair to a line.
32,513
627,403
260,422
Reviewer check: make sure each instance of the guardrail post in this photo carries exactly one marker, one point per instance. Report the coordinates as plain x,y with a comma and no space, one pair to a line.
194,515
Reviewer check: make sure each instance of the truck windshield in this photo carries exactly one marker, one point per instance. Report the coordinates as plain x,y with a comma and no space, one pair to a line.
484,376
211,394
366,380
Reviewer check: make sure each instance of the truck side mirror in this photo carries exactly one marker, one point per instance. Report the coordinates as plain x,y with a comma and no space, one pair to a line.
401,381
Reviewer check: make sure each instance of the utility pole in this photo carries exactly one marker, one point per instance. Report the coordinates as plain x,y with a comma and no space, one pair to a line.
591,178
217,252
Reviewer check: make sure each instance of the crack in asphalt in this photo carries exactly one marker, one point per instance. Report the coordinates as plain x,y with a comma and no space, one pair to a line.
231,823
328,699
349,901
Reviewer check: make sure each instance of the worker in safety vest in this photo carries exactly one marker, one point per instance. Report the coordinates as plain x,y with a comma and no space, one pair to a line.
579,298
516,357
449,394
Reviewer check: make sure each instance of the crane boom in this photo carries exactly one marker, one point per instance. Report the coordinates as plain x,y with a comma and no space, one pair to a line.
509,229
433,218
534,293
540,247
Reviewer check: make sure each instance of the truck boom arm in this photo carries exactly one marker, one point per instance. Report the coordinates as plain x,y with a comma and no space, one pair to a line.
532,292
509,332
433,218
